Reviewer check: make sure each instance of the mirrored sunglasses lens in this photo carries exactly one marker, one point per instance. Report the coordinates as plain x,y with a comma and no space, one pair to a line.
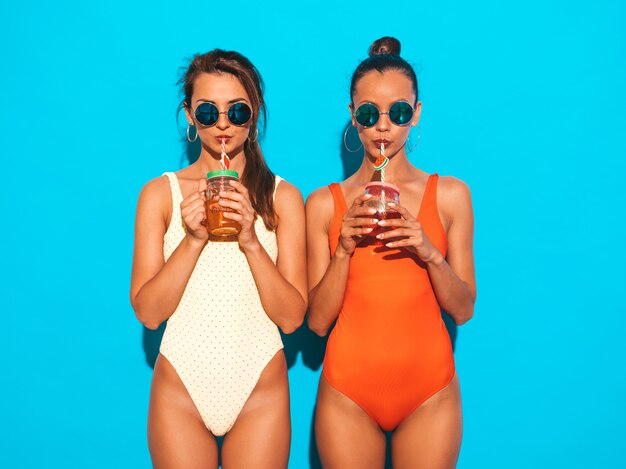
207,114
400,113
239,113
366,115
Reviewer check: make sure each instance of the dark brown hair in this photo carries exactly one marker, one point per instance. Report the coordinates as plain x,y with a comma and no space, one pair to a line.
384,54
257,176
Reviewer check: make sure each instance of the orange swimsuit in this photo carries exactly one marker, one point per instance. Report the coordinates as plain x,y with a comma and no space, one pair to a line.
389,350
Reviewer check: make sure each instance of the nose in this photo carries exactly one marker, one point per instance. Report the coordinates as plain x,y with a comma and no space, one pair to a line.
383,122
222,121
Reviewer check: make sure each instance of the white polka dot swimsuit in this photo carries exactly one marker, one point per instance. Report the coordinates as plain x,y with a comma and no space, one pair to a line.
219,339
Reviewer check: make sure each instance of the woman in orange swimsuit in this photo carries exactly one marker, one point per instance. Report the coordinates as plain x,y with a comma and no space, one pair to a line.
389,363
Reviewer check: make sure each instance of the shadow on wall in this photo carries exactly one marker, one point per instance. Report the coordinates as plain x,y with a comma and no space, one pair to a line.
351,150
310,344
190,151
152,343
452,329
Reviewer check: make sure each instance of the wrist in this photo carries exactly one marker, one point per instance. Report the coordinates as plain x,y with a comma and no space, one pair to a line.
341,253
195,243
436,259
251,247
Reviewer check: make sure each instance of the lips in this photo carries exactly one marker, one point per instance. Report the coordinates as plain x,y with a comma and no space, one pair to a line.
380,141
225,138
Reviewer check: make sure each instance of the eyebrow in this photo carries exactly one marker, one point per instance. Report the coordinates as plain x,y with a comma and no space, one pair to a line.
236,100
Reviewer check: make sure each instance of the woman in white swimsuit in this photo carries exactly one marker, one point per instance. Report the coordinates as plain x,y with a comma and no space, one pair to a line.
221,370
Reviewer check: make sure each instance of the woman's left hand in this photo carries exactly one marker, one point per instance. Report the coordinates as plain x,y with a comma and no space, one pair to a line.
408,228
239,201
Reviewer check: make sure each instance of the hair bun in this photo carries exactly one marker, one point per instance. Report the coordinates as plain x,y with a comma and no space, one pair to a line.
385,45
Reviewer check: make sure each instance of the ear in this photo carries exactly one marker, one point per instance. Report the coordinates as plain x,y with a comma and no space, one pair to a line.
351,107
416,114
188,115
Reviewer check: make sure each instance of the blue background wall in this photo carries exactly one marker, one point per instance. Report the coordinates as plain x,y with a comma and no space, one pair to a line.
525,102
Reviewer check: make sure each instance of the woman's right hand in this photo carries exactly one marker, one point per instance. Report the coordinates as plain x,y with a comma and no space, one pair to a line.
354,224
193,212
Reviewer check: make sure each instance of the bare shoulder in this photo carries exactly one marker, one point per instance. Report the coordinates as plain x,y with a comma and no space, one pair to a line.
454,198
155,196
320,199
156,186
320,208
452,190
287,193
288,204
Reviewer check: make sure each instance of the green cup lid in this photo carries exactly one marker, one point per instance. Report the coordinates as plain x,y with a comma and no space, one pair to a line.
222,172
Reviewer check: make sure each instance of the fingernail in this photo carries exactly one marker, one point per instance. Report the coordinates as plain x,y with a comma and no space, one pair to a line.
371,210
380,236
382,222
374,220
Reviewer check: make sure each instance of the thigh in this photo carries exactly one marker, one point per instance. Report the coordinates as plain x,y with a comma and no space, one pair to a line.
177,436
431,436
261,435
346,436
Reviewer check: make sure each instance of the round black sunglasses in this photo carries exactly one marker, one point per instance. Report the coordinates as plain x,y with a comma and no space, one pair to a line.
400,113
208,114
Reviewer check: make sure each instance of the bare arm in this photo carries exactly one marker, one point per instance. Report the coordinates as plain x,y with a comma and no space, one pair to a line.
282,287
452,277
328,274
158,286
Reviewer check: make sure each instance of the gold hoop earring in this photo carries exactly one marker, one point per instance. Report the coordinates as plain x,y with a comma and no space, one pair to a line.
188,137
345,143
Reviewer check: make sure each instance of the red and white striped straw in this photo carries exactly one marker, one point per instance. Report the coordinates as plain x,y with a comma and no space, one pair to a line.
225,160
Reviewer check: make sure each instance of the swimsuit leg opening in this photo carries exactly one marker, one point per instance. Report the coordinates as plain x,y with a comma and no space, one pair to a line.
356,401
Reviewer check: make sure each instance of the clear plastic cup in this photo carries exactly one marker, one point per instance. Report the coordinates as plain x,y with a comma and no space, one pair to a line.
382,194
